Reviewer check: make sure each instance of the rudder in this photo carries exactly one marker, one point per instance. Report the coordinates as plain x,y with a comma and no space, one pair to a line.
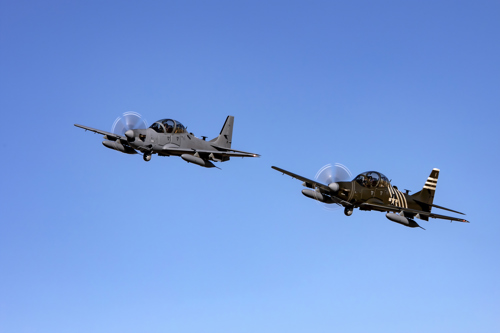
225,137
426,195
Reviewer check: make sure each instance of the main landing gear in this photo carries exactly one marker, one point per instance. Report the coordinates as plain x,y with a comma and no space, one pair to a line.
146,157
348,211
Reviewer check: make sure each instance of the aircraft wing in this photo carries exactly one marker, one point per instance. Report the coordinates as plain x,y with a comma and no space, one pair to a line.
412,211
230,153
108,134
313,183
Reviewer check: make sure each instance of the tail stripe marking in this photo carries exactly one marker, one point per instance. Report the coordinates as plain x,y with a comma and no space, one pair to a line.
431,183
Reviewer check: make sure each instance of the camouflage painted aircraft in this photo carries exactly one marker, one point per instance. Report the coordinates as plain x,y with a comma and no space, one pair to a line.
168,137
373,191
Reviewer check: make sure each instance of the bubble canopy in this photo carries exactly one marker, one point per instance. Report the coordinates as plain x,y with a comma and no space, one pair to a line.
168,126
372,179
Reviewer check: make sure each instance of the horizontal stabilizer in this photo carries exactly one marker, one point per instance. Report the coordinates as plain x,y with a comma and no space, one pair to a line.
440,207
390,208
234,150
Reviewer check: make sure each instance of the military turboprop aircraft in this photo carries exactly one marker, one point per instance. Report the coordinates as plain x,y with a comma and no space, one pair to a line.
168,137
373,191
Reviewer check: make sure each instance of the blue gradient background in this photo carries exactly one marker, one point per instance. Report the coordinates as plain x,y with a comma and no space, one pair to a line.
92,240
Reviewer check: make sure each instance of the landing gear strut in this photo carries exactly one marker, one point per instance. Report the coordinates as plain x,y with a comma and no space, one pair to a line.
146,157
348,211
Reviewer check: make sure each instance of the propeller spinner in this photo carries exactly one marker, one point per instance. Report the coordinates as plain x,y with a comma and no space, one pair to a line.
128,121
331,175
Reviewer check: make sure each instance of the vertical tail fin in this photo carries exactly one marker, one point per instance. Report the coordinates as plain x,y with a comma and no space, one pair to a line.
426,195
226,134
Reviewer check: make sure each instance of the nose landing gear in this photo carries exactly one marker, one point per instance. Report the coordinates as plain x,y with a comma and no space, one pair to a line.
146,157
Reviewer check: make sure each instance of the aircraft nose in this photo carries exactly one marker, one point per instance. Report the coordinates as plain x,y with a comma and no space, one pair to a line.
129,134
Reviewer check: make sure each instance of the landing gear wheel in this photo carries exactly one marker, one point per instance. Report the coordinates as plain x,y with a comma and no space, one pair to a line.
146,157
348,211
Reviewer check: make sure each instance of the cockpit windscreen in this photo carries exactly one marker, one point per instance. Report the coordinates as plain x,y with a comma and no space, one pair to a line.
372,179
167,126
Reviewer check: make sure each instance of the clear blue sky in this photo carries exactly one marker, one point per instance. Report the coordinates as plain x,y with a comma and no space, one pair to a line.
92,240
